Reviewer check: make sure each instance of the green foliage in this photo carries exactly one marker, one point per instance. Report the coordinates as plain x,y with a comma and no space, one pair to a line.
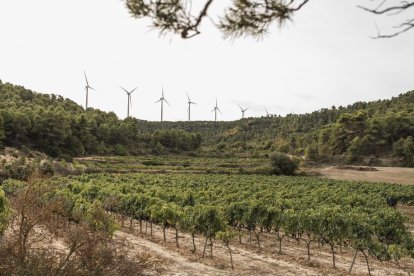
4,212
404,150
61,128
311,153
334,212
176,140
283,164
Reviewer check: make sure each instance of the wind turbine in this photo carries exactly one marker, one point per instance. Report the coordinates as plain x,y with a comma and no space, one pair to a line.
129,97
162,100
215,111
189,107
267,112
243,111
87,87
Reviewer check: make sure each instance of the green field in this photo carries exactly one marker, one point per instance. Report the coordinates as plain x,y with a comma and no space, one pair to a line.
337,213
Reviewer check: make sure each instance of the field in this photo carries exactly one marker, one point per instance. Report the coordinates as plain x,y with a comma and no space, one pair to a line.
382,174
273,218
192,212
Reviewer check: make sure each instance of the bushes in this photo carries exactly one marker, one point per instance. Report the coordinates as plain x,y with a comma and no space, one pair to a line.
283,164
403,149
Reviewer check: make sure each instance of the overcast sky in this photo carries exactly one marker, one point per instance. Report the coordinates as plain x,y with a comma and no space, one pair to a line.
324,57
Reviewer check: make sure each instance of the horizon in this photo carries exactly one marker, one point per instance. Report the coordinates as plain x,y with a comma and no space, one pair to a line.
212,120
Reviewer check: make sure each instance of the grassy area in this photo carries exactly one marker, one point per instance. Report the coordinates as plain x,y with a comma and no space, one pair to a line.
184,164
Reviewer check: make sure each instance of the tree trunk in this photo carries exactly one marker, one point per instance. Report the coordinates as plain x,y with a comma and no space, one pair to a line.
240,235
146,227
140,226
163,233
194,245
231,257
257,238
122,221
280,244
205,246
353,261
176,237
211,248
130,223
333,255
366,259
308,247
151,228
250,236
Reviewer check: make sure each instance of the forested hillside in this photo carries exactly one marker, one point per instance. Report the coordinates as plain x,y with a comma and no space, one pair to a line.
60,127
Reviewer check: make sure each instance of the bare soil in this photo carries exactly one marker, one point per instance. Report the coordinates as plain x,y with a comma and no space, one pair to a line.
382,174
249,260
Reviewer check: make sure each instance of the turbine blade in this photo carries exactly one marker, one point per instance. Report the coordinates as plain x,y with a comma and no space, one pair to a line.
130,100
92,88
124,90
86,78
133,90
167,102
158,101
188,97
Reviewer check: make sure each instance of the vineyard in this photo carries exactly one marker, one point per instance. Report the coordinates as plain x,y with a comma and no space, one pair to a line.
221,209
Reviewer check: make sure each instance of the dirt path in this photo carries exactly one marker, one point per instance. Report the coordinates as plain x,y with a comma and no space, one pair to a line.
179,265
248,260
384,174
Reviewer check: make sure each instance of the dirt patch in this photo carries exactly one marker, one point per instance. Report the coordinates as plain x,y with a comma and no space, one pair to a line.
249,260
356,168
382,174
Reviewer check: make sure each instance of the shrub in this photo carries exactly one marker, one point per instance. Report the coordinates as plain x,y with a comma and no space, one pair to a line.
283,164
404,150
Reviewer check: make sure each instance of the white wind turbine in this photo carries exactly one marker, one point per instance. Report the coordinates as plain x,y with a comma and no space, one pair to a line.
162,100
215,109
129,93
267,112
243,111
87,87
189,107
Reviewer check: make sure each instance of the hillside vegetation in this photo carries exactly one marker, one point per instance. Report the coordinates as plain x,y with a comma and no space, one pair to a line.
60,128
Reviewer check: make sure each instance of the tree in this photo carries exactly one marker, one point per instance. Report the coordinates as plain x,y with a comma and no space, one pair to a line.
226,237
209,222
283,164
243,17
404,150
386,9
4,213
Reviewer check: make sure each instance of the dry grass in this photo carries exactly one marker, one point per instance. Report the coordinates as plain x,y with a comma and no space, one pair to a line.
382,174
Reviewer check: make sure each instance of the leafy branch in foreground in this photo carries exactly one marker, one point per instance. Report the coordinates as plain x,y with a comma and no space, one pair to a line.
243,17
393,9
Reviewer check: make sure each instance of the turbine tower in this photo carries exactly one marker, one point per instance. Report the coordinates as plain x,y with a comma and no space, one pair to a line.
243,111
215,109
129,98
189,107
87,87
162,100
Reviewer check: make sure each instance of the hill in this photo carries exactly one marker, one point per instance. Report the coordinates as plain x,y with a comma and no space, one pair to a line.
60,127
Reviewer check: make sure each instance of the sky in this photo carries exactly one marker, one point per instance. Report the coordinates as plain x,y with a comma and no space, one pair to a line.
325,56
